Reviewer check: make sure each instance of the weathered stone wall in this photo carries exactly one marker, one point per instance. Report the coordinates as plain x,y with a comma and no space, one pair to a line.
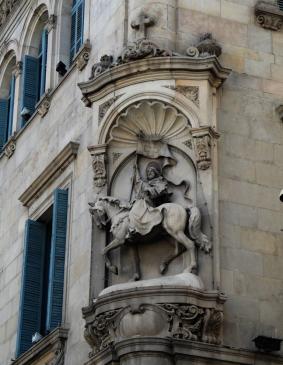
250,164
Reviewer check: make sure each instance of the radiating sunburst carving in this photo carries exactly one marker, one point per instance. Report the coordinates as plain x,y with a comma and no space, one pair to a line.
151,120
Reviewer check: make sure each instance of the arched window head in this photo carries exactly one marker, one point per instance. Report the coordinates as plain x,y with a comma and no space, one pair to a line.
7,93
34,69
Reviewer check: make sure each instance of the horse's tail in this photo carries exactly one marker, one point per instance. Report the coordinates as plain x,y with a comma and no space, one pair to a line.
195,230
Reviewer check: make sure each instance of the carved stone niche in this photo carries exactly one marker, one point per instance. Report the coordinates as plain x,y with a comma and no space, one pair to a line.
268,15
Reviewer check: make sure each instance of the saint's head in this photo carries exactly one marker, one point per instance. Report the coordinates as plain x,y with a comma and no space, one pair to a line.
153,170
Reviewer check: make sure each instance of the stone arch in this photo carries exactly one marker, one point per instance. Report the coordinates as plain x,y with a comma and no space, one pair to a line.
186,107
7,67
31,34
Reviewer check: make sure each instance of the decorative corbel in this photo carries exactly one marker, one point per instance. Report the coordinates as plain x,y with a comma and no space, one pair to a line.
51,22
44,104
10,146
98,154
203,141
18,68
268,15
82,57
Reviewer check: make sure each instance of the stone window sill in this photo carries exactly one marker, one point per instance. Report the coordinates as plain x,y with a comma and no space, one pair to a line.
49,349
268,15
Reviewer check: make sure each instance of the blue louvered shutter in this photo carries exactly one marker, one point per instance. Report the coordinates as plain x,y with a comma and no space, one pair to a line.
73,36
80,25
44,45
11,105
32,281
30,84
57,260
77,27
4,111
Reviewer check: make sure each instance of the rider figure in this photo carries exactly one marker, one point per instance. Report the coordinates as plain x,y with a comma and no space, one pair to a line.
150,194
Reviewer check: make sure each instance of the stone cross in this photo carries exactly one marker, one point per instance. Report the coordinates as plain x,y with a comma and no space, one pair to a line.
142,23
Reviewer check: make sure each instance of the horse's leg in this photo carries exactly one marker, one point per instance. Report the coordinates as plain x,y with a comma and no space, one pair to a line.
177,252
114,244
187,243
137,273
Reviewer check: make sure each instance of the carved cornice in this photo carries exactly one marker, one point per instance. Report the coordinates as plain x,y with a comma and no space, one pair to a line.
155,68
268,15
49,174
6,9
51,346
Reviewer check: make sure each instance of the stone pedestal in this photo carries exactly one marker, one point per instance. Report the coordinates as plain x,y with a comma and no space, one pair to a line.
154,311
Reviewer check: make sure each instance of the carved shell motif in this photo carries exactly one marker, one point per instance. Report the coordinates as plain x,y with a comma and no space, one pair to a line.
151,120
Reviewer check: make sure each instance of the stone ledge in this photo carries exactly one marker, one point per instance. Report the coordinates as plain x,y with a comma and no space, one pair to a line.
268,15
49,174
50,347
150,69
175,350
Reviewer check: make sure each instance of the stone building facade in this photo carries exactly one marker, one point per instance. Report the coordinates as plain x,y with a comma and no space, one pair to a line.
187,90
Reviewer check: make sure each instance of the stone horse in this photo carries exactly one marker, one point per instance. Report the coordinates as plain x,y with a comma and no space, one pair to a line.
175,221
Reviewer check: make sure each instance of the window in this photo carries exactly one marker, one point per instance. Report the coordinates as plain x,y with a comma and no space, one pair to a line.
280,4
7,107
77,27
34,78
43,273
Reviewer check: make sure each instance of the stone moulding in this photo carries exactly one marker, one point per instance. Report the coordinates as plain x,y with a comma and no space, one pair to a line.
172,351
150,69
173,312
49,174
268,15
50,347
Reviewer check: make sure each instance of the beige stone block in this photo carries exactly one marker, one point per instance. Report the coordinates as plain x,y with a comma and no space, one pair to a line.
259,39
278,154
277,72
258,68
238,214
258,241
264,151
248,194
269,175
234,62
210,7
277,43
237,168
235,11
270,221
230,234
224,30
242,260
242,308
273,266
273,87
227,282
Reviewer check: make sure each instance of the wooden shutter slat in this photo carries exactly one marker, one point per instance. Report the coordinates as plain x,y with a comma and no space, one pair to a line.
4,110
32,282
57,259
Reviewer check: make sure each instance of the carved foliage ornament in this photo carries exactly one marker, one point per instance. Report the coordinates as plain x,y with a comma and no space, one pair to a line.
268,15
180,321
190,92
203,140
6,7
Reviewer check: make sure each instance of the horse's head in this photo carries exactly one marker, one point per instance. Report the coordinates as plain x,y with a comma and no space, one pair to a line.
98,212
